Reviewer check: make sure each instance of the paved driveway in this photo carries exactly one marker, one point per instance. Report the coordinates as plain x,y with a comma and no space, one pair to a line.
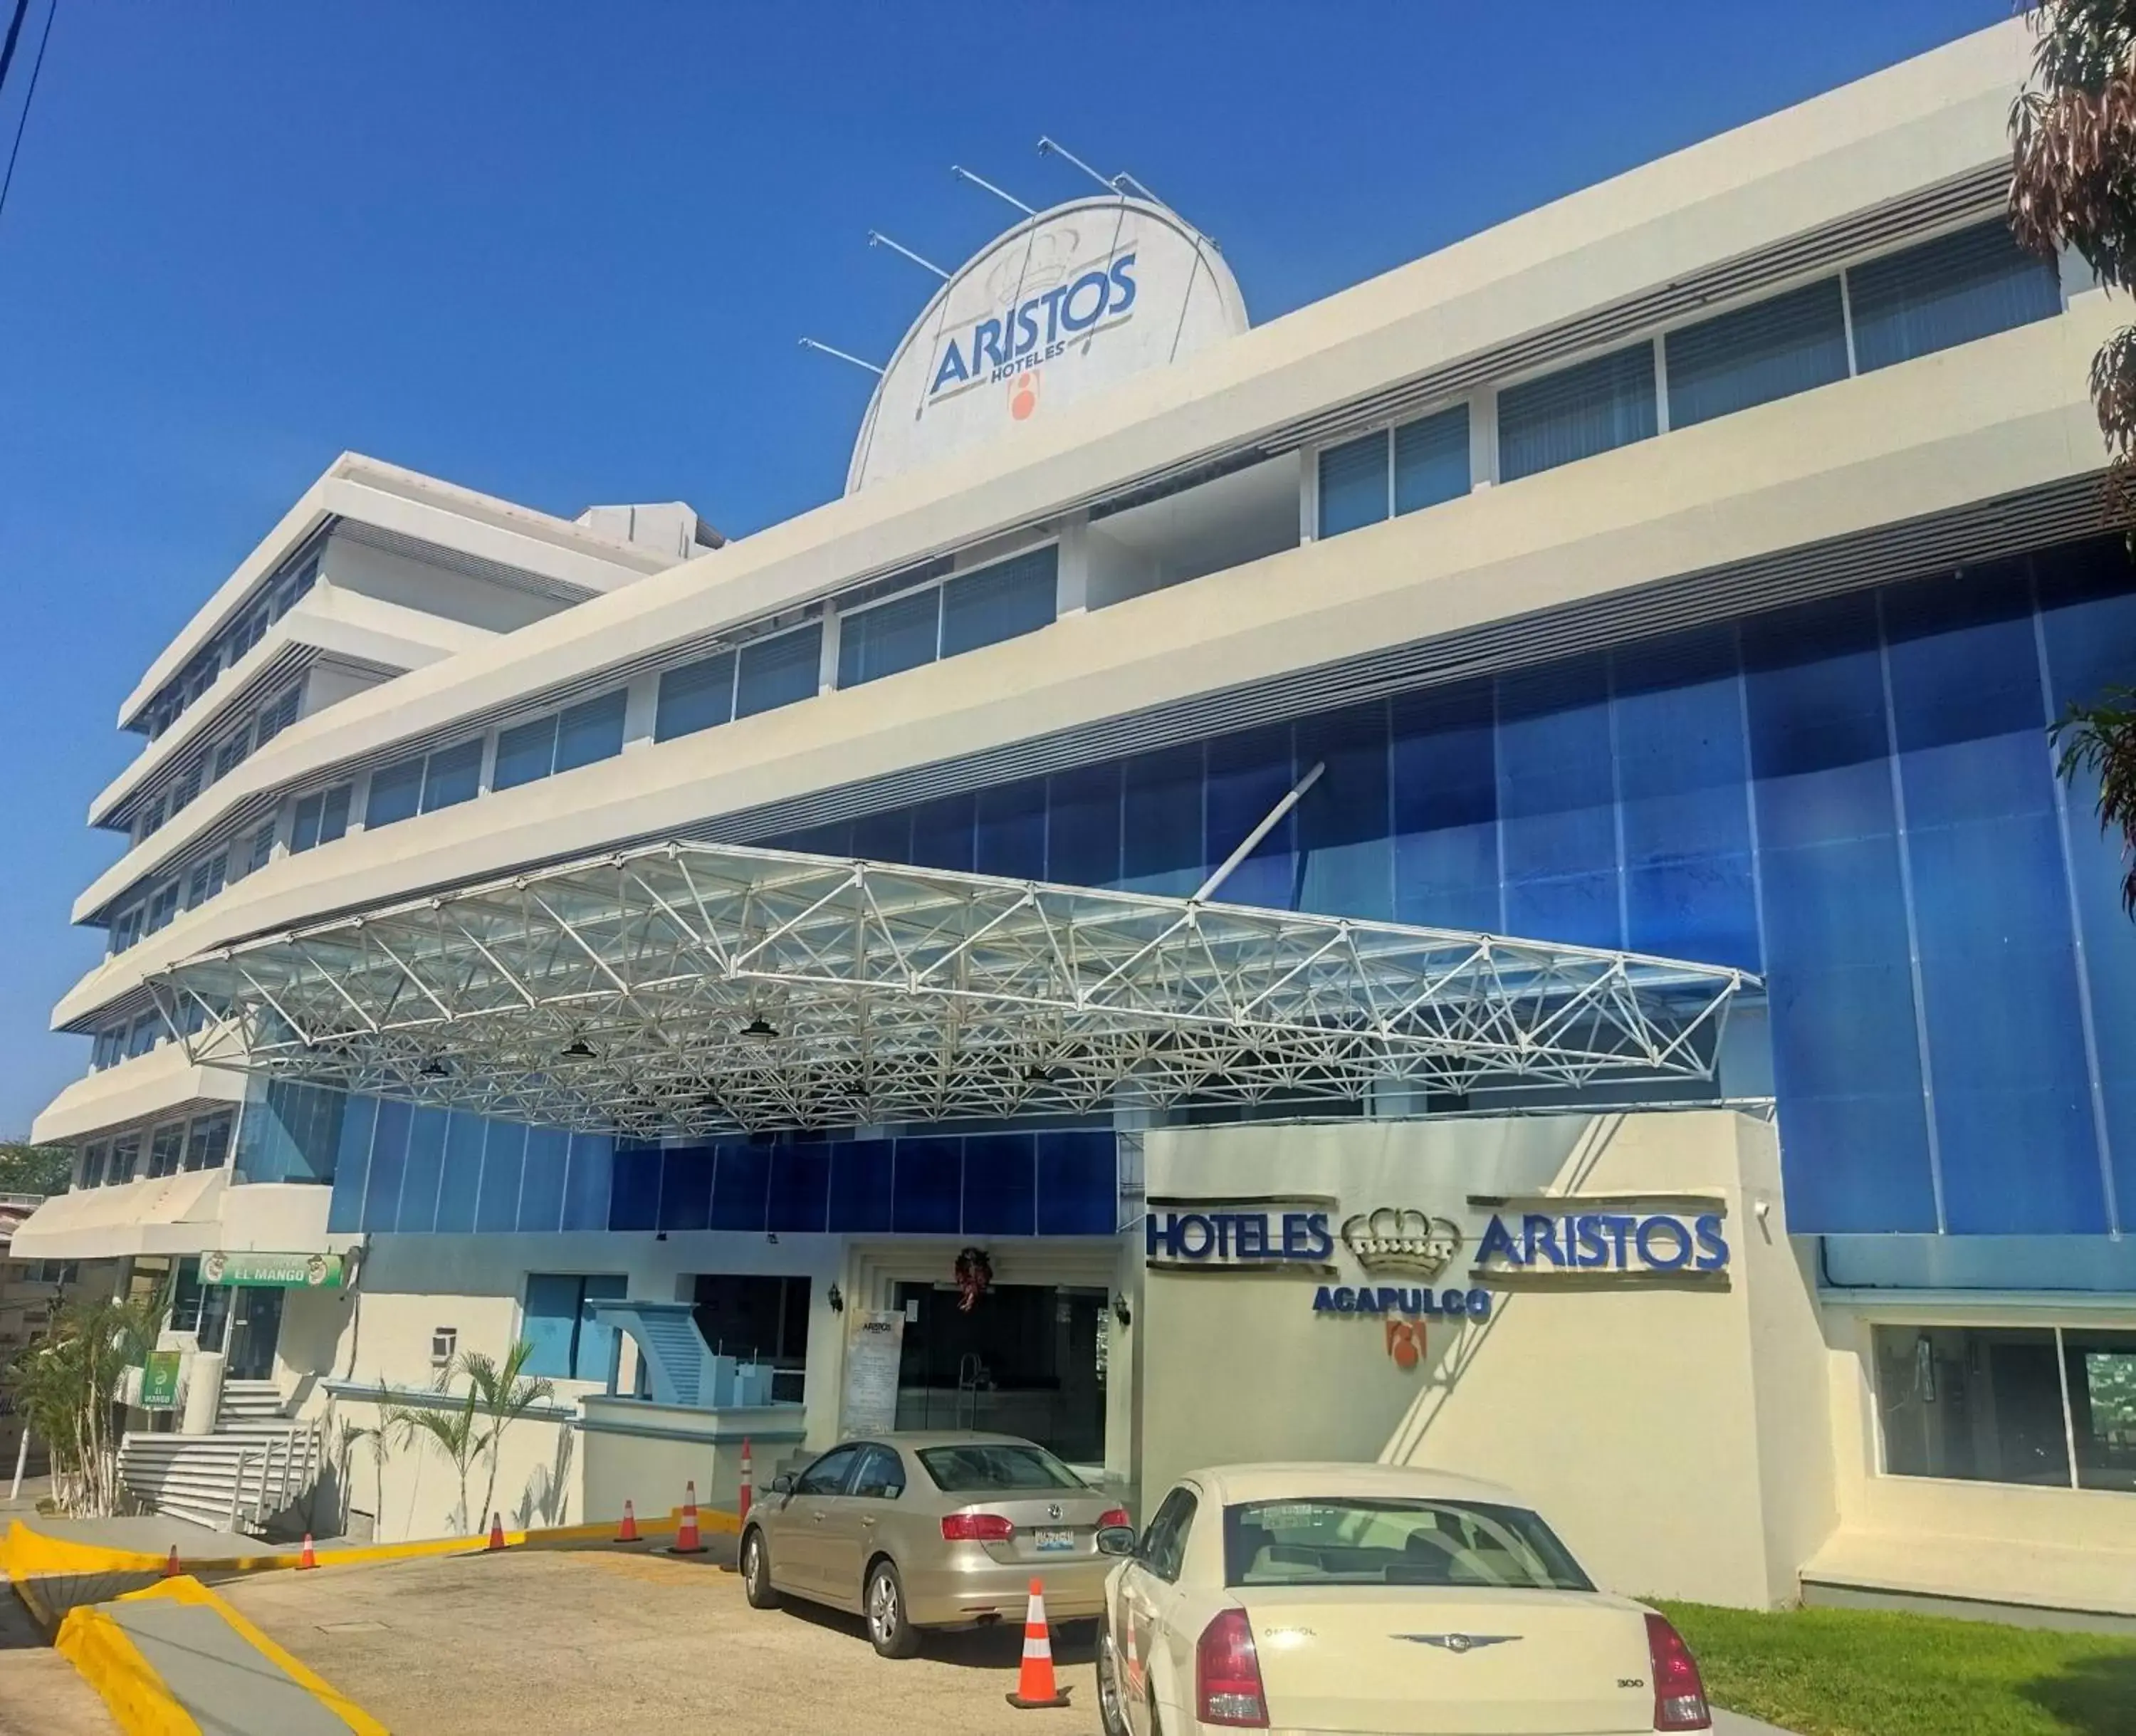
612,1641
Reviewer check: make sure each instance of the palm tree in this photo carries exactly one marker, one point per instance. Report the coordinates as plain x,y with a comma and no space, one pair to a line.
497,1395
505,1392
2098,740
66,1387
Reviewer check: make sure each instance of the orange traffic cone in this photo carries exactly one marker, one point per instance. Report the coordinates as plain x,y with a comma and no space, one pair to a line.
496,1531
307,1559
748,1478
687,1540
171,1566
1035,1685
629,1531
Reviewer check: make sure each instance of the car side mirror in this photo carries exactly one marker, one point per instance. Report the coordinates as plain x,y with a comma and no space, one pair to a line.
1116,1540
782,1483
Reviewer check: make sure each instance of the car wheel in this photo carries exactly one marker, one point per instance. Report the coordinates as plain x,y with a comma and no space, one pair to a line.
756,1571
1111,1709
888,1626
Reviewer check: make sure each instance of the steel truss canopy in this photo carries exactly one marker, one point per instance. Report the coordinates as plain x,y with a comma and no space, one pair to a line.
688,989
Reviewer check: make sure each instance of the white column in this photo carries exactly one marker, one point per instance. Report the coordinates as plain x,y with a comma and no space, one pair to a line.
1071,593
641,707
827,670
1483,438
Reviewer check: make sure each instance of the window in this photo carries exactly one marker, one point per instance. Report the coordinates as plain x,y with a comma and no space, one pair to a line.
591,732
146,1029
111,1047
230,754
1163,1545
1788,344
148,818
207,1142
568,1344
1576,412
1353,485
986,1468
185,1297
696,696
452,776
163,906
206,880
319,817
778,671
263,841
2102,1387
166,1149
828,1474
93,1163
1354,1541
278,716
1431,460
2004,1404
764,1318
889,638
525,754
397,793
881,1476
1005,600
126,927
1948,291
1403,470
186,786
125,1159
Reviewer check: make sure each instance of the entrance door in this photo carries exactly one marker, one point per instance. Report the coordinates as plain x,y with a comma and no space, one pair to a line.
1027,1359
256,1326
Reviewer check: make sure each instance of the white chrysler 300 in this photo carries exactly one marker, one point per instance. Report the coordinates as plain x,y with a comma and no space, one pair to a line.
1339,1600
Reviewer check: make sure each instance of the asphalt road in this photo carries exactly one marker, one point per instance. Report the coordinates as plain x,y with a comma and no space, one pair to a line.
615,1641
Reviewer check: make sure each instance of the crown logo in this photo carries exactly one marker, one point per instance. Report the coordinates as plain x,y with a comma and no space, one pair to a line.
1388,1240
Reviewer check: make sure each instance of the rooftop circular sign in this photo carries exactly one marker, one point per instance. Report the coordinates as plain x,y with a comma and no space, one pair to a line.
1068,303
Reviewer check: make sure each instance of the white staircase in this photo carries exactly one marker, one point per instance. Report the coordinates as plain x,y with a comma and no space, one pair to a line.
257,1463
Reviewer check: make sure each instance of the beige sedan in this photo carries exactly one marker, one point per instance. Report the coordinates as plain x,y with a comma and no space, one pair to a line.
1373,1600
918,1530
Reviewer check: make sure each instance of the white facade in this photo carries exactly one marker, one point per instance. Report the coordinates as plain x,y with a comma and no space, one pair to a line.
1196,587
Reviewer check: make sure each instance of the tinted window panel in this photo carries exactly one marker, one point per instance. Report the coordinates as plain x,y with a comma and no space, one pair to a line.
1576,412
1353,485
1948,291
590,731
525,754
889,638
453,775
1431,460
695,697
775,672
999,602
396,792
1789,344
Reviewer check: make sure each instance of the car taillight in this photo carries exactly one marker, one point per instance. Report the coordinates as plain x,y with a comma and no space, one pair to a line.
1112,1516
975,1528
1679,1694
1227,1673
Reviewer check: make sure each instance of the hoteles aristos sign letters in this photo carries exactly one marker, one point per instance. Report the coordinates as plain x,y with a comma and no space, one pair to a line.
1569,1242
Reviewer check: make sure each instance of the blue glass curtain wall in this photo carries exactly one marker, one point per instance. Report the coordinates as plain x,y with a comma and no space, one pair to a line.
1855,799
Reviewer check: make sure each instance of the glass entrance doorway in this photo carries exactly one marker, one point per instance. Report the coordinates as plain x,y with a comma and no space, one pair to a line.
1029,1359
256,1324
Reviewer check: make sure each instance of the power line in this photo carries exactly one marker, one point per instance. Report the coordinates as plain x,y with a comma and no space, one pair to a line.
29,94
14,32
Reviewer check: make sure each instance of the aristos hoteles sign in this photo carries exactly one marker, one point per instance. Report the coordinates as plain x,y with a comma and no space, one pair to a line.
1068,303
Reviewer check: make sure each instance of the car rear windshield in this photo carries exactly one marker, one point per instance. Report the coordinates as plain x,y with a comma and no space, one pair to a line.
992,1468
1345,1540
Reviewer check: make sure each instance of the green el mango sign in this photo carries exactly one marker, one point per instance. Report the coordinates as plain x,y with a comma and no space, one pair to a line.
159,1381
273,1272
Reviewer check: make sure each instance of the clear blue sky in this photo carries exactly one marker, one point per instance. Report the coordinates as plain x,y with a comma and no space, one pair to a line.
561,252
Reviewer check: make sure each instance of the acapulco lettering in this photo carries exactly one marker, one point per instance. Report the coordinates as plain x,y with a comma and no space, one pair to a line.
1038,330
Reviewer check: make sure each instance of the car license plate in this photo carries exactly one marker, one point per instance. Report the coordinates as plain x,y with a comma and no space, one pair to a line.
1052,1542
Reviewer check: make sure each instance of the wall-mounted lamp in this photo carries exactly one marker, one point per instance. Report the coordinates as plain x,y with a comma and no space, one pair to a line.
836,1297
1120,1311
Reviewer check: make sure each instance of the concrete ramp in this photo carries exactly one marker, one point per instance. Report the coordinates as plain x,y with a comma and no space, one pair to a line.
176,1658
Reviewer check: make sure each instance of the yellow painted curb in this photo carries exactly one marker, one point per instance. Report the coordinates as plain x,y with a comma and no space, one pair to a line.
27,1555
187,1589
105,1657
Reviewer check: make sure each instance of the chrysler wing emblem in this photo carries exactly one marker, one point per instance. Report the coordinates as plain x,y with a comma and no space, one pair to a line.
1456,1642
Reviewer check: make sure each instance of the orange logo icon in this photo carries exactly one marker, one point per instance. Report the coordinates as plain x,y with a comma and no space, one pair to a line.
1404,1343
1023,394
